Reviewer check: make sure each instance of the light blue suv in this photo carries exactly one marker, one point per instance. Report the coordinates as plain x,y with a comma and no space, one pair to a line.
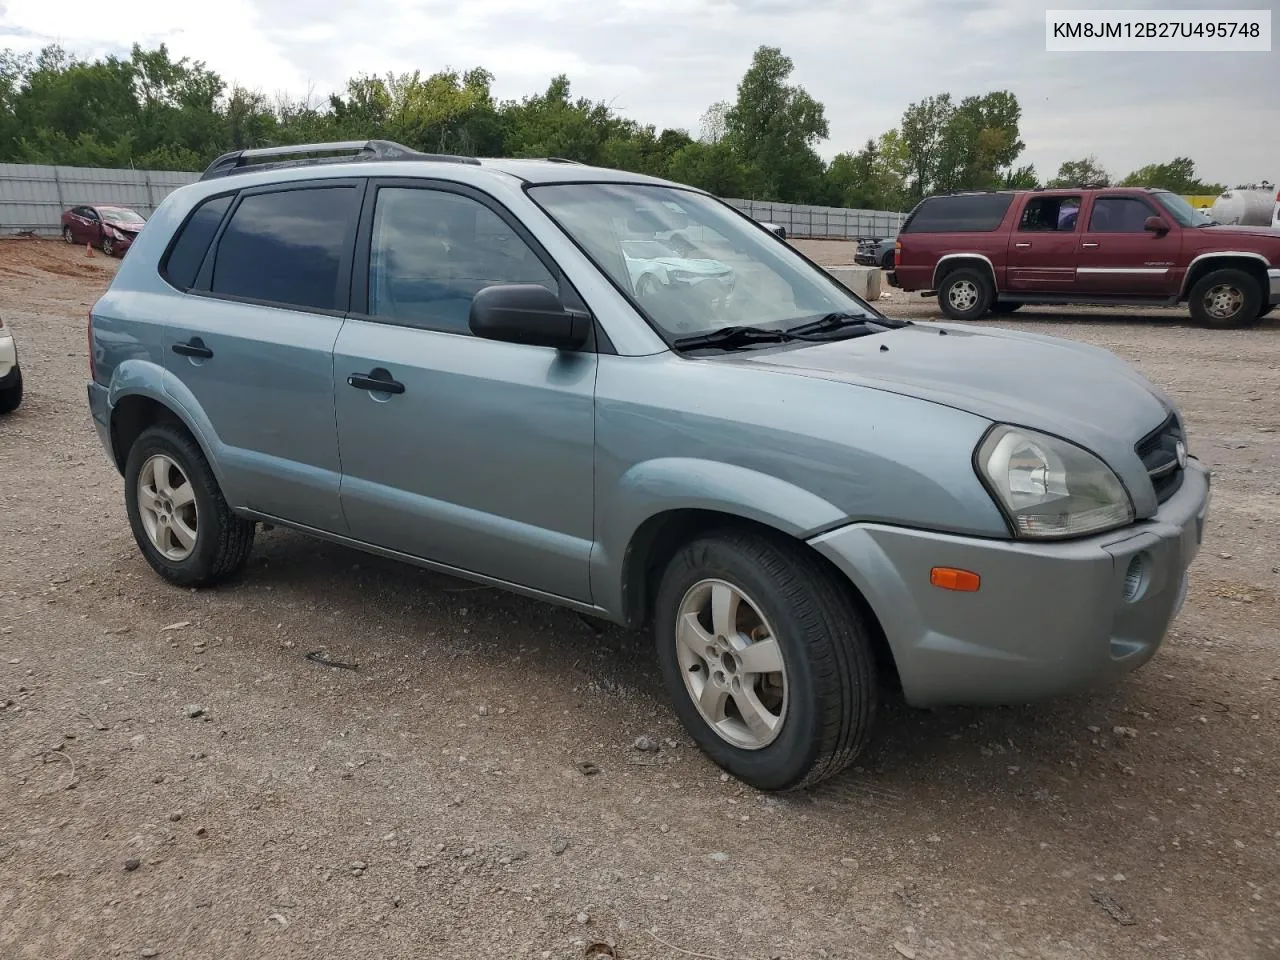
451,362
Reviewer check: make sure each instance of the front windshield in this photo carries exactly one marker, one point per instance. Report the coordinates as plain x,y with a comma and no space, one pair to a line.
1180,210
117,215
690,263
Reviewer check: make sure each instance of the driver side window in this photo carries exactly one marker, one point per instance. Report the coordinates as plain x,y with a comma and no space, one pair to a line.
431,251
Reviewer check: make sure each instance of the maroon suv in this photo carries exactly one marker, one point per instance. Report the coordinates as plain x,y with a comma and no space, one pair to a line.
983,252
109,227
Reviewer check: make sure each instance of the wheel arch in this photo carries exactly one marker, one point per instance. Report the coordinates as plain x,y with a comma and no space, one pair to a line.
138,402
1254,264
950,262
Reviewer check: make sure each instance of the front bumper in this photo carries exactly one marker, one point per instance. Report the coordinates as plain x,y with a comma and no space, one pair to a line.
1274,295
1049,618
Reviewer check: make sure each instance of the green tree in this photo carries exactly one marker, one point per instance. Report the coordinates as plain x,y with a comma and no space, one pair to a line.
1178,176
773,128
1086,172
924,134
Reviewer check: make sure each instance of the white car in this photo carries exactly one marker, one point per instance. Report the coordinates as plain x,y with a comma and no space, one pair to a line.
10,372
654,263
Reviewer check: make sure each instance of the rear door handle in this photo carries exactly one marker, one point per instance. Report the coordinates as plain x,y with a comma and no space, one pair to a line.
193,348
376,380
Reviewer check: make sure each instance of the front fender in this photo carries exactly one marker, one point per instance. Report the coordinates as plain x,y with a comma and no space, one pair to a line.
655,487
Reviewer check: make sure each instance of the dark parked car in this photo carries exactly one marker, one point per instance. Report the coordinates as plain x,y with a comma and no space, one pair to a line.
875,253
110,228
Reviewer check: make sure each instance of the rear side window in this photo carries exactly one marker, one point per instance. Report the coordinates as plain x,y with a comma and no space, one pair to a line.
287,247
973,213
188,250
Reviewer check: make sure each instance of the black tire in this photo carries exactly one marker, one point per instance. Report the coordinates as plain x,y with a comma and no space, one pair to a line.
223,539
11,396
831,684
1227,286
1004,306
974,284
886,262
66,236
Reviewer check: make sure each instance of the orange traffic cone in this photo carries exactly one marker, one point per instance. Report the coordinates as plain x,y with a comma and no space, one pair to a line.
88,250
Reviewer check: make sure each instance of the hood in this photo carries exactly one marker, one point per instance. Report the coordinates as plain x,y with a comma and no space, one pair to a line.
1083,393
129,229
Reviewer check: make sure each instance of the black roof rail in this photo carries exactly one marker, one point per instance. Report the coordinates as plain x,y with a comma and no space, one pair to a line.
241,161
578,163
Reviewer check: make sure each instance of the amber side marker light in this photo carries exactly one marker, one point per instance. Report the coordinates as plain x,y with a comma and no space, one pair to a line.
950,578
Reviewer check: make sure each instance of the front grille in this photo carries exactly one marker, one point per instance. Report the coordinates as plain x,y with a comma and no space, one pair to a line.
1159,453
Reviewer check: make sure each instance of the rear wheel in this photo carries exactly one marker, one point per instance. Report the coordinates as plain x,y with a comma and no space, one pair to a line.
965,294
886,262
1226,298
767,660
1004,306
179,517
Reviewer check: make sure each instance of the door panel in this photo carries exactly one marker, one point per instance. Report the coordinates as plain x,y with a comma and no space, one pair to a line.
1119,258
268,391
486,460
1043,247
256,348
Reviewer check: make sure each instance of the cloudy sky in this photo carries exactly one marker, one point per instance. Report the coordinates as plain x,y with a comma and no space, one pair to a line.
664,61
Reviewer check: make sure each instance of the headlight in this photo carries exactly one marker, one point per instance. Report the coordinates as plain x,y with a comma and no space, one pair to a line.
1050,488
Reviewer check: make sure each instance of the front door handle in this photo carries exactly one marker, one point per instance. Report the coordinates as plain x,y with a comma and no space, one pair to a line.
1022,244
1088,244
193,348
376,380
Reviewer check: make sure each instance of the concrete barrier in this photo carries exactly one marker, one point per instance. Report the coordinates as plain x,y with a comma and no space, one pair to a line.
866,282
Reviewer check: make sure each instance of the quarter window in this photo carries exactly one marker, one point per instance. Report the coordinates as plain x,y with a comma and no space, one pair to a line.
1118,215
287,247
431,251
187,253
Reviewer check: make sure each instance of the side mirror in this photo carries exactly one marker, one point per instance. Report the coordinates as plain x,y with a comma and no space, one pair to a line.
527,313
778,231
1155,225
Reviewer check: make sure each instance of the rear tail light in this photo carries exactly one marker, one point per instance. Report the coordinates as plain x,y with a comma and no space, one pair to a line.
897,253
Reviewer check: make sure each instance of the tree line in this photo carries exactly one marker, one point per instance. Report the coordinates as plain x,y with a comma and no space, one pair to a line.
149,111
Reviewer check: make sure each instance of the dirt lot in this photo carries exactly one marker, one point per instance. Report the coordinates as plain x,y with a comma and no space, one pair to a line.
428,805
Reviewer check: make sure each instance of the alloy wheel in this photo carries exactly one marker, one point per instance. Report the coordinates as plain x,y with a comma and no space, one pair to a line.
732,664
167,506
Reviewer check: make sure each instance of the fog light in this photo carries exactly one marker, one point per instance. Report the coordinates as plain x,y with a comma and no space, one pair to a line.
1133,578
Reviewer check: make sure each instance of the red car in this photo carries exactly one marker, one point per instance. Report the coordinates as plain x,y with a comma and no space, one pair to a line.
111,228
993,252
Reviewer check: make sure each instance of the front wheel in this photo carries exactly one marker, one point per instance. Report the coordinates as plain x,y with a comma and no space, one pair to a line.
11,396
179,517
108,247
1226,298
766,658
965,294
67,237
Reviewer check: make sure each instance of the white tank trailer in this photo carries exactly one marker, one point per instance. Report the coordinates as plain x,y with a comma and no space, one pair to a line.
1250,205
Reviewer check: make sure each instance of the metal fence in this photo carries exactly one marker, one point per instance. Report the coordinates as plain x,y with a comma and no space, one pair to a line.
33,197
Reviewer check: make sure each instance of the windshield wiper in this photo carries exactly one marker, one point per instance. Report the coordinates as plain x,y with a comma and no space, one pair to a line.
840,321
731,338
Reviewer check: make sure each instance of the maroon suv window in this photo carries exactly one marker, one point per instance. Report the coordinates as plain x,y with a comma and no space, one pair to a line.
1119,215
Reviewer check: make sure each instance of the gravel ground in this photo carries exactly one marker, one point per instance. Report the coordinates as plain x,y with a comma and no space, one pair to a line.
178,780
